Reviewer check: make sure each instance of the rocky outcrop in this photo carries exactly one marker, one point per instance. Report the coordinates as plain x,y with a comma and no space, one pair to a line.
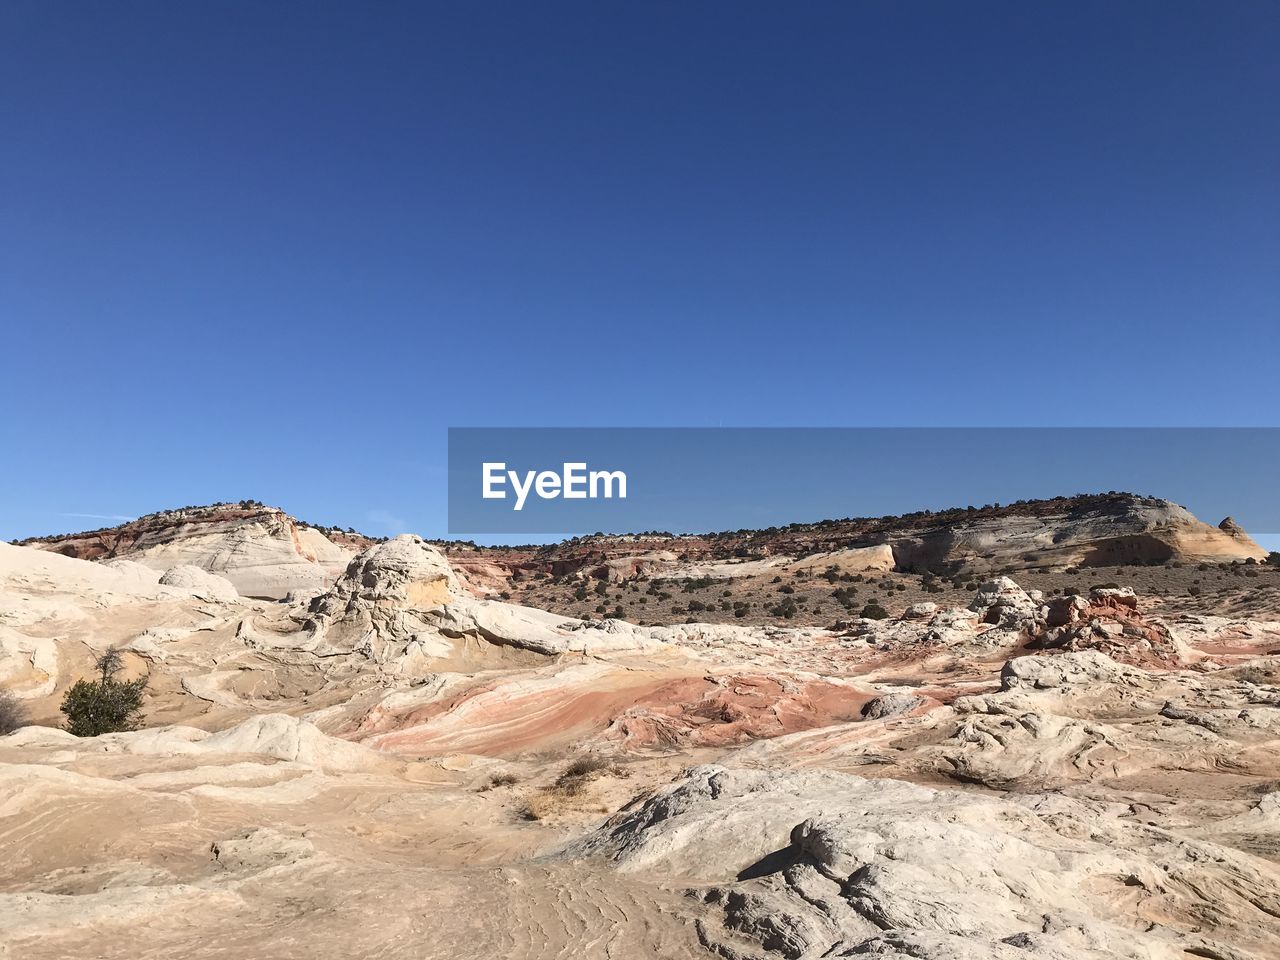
872,559
266,553
1108,621
262,550
199,582
1003,603
1027,776
891,705
382,602
1083,531
28,665
400,605
812,863
1108,531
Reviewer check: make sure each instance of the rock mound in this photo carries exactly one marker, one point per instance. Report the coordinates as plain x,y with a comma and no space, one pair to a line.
139,572
809,863
262,550
1003,603
275,735
199,582
891,705
382,600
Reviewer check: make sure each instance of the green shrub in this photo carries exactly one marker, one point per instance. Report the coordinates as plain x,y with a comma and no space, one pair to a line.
873,611
786,609
105,705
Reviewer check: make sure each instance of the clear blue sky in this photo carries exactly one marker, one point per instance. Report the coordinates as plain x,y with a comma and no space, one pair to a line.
273,250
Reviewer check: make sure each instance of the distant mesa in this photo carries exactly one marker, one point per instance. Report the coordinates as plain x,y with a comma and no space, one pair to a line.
266,553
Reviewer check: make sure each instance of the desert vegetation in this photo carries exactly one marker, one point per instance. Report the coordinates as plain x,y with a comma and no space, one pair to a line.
106,704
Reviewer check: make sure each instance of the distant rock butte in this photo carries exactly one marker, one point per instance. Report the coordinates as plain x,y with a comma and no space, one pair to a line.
1091,530
264,552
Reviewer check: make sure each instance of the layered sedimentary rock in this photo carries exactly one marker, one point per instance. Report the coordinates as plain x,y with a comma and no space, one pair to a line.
262,550
266,553
1082,531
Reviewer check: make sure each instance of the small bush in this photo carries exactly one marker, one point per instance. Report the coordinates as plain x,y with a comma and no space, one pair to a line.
787,609
583,767
499,780
873,611
105,705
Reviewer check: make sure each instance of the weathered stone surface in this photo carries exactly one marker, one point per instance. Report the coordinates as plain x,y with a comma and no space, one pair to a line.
812,863
199,582
1100,775
262,550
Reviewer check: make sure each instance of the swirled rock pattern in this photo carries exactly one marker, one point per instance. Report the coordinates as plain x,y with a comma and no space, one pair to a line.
384,764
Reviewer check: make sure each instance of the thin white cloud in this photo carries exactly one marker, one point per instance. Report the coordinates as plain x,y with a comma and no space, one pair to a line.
388,521
98,516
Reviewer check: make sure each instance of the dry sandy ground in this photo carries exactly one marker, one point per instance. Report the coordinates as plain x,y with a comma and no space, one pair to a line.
1224,590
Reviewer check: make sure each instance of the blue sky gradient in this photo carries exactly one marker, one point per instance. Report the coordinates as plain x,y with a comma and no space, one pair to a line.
275,250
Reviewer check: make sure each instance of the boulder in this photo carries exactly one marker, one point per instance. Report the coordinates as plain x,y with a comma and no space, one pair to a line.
1087,668
1003,603
891,705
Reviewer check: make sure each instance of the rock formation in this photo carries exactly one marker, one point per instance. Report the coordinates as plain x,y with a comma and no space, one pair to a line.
1082,531
200,582
389,765
262,550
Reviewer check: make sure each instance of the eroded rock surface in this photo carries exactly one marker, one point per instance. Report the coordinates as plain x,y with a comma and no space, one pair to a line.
388,765
814,863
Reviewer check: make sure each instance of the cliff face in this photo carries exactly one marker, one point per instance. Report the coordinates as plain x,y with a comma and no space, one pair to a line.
1084,531
1127,530
262,550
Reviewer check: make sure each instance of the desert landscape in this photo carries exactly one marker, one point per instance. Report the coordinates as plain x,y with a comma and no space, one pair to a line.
567,344
1047,729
